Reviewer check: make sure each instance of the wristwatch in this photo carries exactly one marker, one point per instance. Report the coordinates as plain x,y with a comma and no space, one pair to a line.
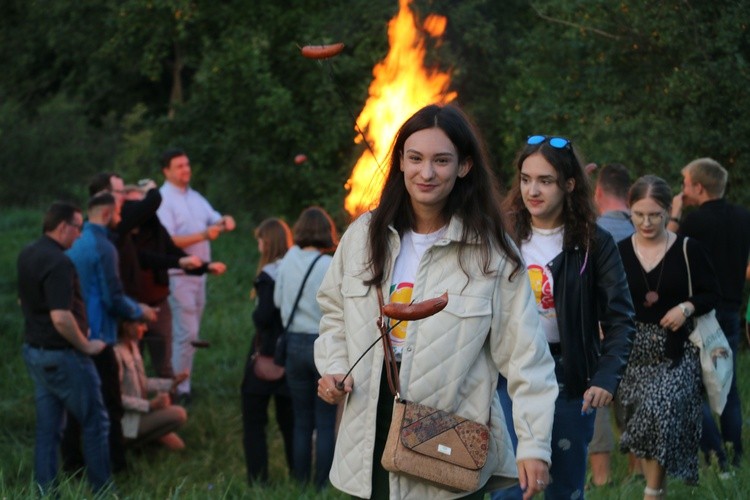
686,311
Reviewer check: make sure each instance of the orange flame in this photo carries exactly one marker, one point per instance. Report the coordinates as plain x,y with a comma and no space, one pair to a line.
402,86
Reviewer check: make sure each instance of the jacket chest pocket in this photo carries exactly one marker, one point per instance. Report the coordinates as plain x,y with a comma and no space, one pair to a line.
353,287
357,306
467,316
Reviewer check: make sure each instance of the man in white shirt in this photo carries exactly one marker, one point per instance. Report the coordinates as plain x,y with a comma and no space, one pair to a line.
193,224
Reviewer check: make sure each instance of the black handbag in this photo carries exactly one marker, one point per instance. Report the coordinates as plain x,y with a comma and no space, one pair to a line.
279,355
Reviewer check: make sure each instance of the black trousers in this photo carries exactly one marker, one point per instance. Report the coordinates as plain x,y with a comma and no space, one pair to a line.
70,445
158,341
254,422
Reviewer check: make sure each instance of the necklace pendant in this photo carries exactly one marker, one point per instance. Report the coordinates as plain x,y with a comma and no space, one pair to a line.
651,298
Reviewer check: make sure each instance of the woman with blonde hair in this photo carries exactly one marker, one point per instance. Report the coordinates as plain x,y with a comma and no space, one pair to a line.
274,238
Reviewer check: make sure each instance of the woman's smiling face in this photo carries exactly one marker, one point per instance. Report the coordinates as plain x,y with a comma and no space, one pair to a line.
430,166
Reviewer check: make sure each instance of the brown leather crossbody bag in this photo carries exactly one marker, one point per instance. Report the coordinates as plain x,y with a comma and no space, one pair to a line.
433,445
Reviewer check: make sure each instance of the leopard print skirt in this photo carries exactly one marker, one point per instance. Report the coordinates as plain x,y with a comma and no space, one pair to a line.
662,404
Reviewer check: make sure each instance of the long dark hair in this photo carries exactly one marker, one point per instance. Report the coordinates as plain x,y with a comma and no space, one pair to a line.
579,213
475,198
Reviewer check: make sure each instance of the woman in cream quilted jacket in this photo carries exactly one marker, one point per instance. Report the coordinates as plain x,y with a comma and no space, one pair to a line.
438,228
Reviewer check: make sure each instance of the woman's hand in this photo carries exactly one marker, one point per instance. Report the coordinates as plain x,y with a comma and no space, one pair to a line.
160,401
327,390
595,397
533,476
673,320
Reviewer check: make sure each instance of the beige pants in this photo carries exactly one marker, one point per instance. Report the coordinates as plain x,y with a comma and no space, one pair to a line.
157,423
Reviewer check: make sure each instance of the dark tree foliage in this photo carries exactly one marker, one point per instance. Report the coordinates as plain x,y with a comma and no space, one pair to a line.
650,84
106,84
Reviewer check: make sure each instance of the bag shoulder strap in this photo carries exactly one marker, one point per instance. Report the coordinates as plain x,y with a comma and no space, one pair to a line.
387,347
391,368
301,289
687,264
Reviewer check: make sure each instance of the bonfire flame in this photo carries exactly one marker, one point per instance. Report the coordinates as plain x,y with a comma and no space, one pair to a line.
402,85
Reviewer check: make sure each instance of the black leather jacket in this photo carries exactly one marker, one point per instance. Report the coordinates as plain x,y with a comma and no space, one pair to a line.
590,288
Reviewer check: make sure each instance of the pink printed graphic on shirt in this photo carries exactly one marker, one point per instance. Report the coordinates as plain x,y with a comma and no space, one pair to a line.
542,286
400,294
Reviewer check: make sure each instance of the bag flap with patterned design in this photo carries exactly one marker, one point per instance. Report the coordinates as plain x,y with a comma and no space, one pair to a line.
444,436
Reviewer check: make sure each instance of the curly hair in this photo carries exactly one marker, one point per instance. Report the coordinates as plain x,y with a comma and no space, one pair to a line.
579,213
475,198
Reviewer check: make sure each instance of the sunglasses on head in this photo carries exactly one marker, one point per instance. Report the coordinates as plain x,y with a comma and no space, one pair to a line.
555,142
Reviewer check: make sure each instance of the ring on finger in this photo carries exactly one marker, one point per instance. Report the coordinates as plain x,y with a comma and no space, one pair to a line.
541,484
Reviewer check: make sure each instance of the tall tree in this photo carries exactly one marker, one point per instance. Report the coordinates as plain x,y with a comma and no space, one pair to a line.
651,84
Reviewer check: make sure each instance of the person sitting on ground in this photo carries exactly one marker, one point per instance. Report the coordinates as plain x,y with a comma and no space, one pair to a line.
146,419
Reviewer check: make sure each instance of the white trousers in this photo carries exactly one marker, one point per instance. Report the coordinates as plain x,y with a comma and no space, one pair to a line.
187,299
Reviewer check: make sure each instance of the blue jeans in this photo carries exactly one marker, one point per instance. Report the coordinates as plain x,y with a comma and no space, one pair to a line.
712,442
310,412
66,380
571,433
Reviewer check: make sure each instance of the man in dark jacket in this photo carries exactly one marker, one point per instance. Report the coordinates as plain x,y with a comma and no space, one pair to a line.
724,230
157,253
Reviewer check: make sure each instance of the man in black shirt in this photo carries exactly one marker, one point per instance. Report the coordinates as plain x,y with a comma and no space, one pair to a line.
56,349
724,230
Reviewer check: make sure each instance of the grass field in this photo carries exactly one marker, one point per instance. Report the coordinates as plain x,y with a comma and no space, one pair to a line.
213,464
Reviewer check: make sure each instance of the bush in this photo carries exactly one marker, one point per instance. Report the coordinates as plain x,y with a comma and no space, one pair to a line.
50,154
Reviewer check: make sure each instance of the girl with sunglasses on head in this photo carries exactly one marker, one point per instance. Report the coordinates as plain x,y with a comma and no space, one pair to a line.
579,283
661,389
438,228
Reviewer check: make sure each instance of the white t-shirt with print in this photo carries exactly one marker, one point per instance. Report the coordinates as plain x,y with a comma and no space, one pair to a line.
538,251
413,247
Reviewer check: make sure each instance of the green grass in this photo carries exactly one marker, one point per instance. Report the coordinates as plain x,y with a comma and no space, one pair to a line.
213,465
